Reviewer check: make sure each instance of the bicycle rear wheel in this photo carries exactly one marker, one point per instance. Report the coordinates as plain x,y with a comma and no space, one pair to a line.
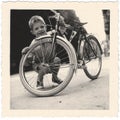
65,52
92,58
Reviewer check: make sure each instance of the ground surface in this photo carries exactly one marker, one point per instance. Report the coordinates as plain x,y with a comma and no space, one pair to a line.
80,94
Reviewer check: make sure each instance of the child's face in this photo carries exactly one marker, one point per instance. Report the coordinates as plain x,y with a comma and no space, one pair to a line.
39,29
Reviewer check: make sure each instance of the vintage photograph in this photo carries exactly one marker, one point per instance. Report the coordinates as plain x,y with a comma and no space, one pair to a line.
60,58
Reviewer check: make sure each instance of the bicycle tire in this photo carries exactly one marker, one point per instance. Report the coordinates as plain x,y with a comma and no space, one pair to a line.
93,74
73,62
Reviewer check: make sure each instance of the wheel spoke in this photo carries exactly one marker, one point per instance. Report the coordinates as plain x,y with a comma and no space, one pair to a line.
63,69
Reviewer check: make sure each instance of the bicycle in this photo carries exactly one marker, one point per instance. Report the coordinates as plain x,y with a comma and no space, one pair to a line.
89,51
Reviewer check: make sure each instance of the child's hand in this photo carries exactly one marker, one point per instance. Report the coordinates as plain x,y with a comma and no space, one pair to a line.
25,50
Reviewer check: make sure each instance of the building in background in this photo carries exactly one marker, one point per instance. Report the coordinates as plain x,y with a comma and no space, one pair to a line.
106,43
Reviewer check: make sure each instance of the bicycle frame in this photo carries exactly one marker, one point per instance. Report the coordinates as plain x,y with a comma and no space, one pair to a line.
54,34
82,38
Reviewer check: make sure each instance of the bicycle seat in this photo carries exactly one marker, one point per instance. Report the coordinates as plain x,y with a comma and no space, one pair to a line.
80,23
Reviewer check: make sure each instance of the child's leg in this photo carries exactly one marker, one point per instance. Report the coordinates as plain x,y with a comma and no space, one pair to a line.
42,71
55,70
40,78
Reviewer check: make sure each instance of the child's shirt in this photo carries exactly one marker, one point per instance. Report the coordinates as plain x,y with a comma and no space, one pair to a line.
43,51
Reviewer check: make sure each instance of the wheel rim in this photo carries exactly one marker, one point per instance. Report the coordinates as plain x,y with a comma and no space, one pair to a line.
92,62
29,77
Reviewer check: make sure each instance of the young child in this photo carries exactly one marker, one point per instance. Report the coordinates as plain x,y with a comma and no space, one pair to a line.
38,28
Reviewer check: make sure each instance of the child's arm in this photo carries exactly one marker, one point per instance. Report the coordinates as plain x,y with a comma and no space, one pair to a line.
25,50
29,59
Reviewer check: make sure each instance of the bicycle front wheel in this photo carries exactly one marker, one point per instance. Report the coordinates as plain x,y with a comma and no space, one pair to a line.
92,58
66,54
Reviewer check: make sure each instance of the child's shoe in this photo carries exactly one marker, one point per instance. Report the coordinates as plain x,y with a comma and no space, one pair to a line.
55,83
55,79
58,81
39,85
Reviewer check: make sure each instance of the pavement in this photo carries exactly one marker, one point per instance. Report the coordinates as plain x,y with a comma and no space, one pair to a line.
80,94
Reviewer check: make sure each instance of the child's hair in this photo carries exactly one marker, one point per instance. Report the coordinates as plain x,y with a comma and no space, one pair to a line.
35,19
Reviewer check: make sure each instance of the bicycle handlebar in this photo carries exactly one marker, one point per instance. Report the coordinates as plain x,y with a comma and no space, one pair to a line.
56,16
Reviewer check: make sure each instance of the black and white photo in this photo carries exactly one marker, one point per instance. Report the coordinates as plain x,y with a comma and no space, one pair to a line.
60,58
